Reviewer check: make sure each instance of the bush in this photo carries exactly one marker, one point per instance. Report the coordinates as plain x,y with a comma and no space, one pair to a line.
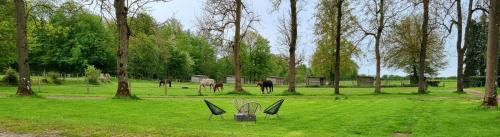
10,76
92,74
54,78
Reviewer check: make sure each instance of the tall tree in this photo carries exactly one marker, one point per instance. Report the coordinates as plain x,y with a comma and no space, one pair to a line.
456,20
402,45
490,96
122,56
236,48
381,14
256,53
422,88
475,56
220,17
322,61
123,9
337,47
24,87
292,43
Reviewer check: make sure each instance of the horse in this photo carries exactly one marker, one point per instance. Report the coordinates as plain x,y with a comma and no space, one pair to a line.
267,85
219,86
165,82
207,82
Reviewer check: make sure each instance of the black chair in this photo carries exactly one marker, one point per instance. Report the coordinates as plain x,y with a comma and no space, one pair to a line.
215,110
273,109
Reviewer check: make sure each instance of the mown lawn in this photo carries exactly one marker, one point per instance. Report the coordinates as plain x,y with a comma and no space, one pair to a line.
67,110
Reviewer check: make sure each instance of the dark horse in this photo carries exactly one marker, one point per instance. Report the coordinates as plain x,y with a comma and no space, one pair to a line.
165,82
219,86
267,85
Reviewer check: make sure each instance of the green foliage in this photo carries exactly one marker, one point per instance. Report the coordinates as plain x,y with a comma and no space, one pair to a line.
280,66
54,78
179,64
70,38
475,56
256,57
92,75
143,23
403,48
322,63
143,56
7,34
11,76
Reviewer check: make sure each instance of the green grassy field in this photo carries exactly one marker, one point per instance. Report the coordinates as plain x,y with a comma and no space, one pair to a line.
68,110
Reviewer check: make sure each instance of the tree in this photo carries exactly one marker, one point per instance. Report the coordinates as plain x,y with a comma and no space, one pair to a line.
256,56
122,56
69,39
422,88
24,87
381,14
144,56
456,19
475,55
490,96
292,42
179,63
221,16
403,45
329,24
337,47
322,61
122,10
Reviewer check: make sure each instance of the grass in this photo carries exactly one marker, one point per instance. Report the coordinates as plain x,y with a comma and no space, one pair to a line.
69,110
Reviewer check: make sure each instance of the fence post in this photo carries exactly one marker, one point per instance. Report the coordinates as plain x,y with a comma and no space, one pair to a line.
165,88
39,87
87,83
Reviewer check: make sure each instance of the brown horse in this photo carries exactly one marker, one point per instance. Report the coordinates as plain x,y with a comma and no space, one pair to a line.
219,86
165,82
267,85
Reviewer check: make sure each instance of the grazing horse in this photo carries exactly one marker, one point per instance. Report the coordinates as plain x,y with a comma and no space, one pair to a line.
219,86
165,82
267,85
207,82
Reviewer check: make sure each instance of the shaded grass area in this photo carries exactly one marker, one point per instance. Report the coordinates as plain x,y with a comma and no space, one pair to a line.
314,112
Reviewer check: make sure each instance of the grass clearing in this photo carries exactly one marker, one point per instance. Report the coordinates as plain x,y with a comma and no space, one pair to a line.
69,111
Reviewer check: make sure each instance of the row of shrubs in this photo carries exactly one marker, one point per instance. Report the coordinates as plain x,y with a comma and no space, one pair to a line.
12,77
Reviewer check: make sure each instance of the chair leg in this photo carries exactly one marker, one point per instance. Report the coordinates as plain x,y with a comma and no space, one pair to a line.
210,117
221,117
277,115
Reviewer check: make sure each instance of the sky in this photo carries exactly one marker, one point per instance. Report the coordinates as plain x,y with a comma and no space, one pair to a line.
187,12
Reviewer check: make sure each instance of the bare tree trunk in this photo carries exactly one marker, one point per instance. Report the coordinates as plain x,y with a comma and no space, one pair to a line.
236,48
24,87
378,36
421,68
123,36
460,51
293,46
337,47
490,97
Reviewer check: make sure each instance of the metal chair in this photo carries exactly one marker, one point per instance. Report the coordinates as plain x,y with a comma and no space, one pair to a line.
247,112
273,109
215,110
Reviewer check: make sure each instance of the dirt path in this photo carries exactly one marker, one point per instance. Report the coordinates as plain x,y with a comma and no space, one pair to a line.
9,134
478,93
